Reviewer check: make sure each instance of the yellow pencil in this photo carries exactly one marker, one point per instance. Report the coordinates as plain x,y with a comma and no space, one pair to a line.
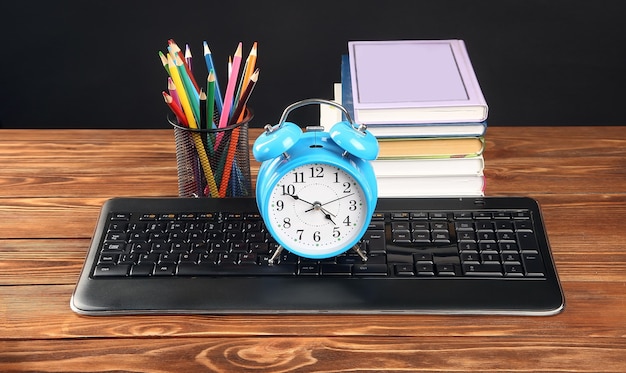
197,139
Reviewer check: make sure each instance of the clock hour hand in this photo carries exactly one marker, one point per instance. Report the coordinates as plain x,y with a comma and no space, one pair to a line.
328,215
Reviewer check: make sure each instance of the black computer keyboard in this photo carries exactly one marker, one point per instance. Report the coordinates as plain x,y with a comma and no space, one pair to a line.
419,255
404,243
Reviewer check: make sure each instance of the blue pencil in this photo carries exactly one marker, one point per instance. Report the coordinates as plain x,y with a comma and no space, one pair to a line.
219,101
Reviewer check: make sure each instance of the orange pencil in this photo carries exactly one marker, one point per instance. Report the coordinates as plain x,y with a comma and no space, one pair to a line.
248,70
234,139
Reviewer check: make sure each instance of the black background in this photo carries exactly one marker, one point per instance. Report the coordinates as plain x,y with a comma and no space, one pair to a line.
76,63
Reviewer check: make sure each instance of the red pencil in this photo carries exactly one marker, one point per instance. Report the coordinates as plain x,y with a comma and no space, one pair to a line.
176,109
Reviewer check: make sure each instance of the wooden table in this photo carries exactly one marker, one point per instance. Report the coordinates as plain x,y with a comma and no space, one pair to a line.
53,183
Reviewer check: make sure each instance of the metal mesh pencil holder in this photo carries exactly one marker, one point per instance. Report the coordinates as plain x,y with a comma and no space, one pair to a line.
213,162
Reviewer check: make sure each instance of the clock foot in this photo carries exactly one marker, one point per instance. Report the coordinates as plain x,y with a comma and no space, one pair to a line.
275,256
360,252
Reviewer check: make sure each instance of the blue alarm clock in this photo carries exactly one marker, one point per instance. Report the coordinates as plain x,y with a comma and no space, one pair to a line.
316,190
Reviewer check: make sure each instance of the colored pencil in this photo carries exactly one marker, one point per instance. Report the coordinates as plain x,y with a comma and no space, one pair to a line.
203,112
176,109
230,88
210,104
171,88
192,94
248,70
188,57
208,58
164,62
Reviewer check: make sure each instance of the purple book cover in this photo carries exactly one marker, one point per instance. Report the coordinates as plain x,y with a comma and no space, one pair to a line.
414,81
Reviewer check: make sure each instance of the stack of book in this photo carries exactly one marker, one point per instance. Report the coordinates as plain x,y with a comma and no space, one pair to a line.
422,100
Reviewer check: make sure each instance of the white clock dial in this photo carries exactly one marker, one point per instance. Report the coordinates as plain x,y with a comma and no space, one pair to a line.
317,210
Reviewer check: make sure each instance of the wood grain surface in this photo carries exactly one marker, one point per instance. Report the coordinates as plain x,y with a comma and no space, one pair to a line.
53,182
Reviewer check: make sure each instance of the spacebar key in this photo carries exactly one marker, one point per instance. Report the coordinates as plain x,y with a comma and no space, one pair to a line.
190,269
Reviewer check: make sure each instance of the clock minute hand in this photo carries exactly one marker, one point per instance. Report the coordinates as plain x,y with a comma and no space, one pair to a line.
300,199
336,199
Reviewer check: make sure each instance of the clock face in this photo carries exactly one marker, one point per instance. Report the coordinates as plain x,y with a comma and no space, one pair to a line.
317,210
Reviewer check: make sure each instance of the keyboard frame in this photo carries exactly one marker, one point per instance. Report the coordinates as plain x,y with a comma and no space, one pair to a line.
318,295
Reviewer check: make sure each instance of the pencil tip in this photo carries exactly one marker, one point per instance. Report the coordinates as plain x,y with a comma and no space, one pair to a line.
163,58
172,44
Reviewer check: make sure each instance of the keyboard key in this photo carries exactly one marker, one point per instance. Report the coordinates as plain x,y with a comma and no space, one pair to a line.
400,216
336,269
511,257
526,241
401,236
466,236
142,270
525,215
533,264
470,257
370,269
424,256
164,269
441,237
349,259
186,269
485,269
309,269
445,270
438,215
490,257
421,237
247,258
425,269
114,246
120,216
110,269
513,270
400,226
482,215
404,269
375,241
